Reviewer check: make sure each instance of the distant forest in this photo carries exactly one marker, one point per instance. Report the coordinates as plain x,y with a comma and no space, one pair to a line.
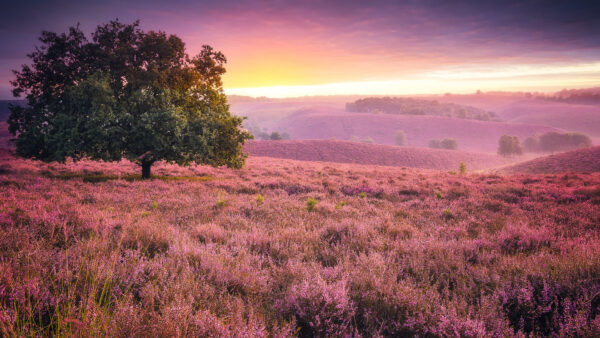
582,96
411,106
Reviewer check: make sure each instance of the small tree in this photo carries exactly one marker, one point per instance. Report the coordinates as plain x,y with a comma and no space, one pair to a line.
462,168
509,146
449,143
126,93
434,144
400,138
275,136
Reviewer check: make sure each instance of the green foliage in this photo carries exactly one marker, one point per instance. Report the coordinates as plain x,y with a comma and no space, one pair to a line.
362,194
311,203
400,138
145,100
438,195
259,199
462,168
221,200
509,146
340,205
447,214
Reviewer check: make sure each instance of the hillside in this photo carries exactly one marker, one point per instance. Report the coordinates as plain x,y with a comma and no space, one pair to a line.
375,154
580,161
479,136
286,248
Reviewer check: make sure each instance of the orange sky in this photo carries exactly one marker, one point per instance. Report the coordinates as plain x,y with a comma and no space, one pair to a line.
290,48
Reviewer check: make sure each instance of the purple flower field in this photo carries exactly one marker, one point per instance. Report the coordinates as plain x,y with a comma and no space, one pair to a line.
288,248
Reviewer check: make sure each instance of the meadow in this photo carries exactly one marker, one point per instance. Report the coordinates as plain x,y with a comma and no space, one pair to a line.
285,248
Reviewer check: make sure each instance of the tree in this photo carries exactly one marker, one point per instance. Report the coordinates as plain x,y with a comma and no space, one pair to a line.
462,168
531,144
127,93
435,144
275,136
449,143
553,141
509,146
400,138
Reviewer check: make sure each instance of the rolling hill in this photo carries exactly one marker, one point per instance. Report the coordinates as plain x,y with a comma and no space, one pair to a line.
373,154
480,136
581,161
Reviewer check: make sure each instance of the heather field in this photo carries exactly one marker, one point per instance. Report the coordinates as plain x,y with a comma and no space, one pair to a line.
374,154
286,248
580,161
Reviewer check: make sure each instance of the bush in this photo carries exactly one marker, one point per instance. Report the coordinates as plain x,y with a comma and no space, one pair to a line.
311,203
275,136
435,144
449,143
462,168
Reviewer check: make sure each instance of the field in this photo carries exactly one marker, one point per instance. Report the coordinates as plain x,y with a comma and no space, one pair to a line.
284,248
375,154
580,161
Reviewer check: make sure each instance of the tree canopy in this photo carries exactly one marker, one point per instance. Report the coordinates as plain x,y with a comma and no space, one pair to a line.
509,146
126,93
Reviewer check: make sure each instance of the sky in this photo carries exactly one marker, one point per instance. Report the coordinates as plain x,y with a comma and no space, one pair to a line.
296,48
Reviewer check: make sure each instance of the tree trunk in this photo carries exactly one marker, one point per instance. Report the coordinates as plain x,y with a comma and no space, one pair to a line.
146,170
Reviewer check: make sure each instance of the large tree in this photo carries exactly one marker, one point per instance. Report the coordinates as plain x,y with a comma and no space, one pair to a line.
126,93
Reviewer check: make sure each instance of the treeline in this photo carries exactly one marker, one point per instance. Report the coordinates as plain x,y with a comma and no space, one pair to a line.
574,96
411,106
263,134
553,141
548,142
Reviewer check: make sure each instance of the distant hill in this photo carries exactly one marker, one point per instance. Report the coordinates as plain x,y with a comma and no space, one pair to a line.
581,161
373,154
325,123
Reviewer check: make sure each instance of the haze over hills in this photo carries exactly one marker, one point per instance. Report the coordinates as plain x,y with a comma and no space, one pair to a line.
372,154
472,135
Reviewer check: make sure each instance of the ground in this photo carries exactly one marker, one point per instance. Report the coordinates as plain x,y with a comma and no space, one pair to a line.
284,248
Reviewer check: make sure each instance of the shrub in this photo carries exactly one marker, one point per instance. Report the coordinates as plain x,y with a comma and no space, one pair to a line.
275,136
435,144
311,203
259,199
462,168
449,143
